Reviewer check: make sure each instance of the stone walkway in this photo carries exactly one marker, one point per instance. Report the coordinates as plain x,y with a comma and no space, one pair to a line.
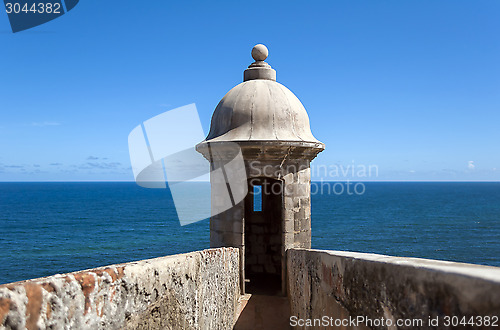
263,312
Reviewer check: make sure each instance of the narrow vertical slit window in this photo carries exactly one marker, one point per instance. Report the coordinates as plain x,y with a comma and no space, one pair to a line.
257,198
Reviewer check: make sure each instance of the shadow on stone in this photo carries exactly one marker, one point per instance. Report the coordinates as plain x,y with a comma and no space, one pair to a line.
264,312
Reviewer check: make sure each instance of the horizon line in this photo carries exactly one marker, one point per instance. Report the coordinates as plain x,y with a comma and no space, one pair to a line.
312,181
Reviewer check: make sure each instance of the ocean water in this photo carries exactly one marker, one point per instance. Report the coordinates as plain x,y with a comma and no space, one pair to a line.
49,228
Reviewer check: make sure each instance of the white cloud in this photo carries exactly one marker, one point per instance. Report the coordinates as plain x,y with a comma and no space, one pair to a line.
101,165
45,123
471,165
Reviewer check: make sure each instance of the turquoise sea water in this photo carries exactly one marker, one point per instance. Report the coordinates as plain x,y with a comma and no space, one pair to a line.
49,228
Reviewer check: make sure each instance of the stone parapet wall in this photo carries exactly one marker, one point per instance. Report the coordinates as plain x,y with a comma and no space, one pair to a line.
197,290
346,284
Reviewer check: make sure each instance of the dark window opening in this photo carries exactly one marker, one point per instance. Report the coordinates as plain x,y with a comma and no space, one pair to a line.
263,237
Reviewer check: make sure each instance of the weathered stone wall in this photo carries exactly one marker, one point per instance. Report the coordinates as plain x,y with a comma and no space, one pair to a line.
197,290
342,284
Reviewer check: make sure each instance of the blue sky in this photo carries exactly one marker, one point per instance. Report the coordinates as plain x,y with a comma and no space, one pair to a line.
412,87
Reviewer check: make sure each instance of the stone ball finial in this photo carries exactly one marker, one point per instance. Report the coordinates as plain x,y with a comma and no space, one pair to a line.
259,52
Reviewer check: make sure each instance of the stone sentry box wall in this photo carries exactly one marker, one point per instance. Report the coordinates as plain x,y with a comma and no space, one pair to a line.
230,228
271,128
286,205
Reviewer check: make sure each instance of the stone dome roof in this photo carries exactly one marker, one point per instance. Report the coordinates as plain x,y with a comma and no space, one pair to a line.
261,110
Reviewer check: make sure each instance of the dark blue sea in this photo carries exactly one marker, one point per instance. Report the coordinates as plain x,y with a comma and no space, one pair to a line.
49,228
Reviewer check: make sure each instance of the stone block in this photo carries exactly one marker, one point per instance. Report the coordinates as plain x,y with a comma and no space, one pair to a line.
270,269
288,179
275,239
258,249
238,211
302,237
256,229
263,259
233,239
251,259
256,268
288,225
216,239
300,214
288,240
237,227
217,225
301,190
305,202
307,210
276,259
305,176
